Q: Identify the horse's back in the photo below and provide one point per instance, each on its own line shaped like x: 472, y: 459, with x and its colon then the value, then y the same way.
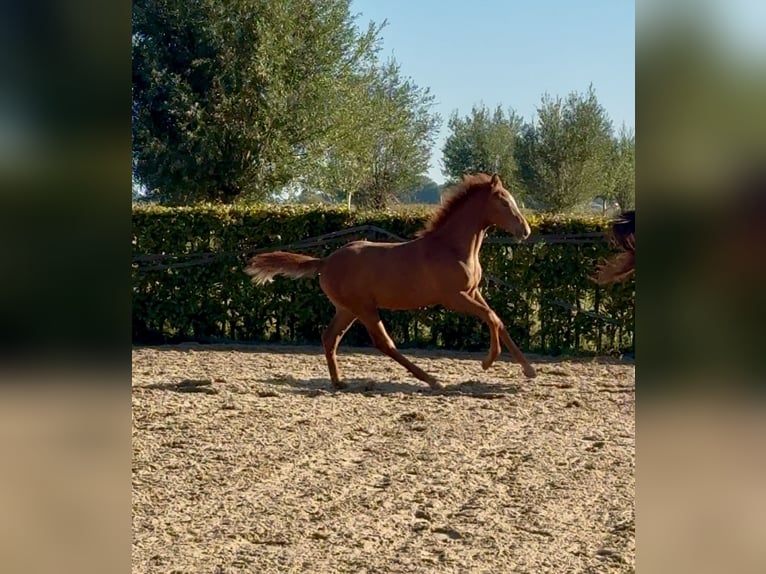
x: 371, y: 274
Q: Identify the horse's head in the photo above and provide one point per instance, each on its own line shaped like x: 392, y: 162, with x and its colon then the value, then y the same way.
x: 503, y: 212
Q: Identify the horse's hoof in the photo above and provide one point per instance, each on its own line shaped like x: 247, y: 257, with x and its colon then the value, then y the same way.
x: 486, y: 364
x: 339, y: 385
x: 435, y: 385
x: 530, y: 372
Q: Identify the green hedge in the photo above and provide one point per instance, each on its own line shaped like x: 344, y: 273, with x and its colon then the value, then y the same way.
x: 216, y: 301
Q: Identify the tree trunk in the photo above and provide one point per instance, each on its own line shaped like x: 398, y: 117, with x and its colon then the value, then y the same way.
x: 379, y: 199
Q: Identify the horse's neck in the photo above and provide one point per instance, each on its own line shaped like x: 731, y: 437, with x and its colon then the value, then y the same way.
x: 464, y: 236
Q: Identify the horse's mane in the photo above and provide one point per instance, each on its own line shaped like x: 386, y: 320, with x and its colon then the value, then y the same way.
x: 459, y: 194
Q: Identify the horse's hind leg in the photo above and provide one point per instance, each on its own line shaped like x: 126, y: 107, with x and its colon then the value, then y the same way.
x: 382, y: 341
x: 331, y: 337
x: 505, y: 337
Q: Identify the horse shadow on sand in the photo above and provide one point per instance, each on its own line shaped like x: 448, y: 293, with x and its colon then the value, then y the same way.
x: 377, y: 387
x: 276, y: 383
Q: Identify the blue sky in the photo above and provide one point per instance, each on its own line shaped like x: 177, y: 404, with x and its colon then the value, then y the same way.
x: 510, y: 53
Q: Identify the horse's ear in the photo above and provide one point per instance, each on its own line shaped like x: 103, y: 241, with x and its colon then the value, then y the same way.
x: 495, y: 180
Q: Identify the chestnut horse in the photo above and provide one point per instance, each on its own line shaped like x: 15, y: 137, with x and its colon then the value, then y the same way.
x: 440, y: 266
x: 623, y: 265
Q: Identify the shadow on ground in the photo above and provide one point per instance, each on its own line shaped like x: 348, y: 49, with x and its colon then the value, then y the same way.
x: 185, y: 386
x: 372, y: 387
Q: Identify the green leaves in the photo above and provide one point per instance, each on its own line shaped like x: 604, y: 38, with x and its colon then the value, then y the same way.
x: 564, y: 155
x: 235, y: 100
x: 383, y: 128
x: 484, y: 141
x: 622, y: 181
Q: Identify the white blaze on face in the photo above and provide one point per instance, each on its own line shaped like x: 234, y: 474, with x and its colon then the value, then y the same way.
x: 511, y: 202
x: 515, y: 210
x: 514, y: 205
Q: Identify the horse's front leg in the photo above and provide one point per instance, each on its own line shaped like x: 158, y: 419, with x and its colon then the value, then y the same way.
x: 516, y: 353
x: 464, y: 302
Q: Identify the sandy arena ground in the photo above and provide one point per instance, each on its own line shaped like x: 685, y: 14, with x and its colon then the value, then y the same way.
x: 244, y: 460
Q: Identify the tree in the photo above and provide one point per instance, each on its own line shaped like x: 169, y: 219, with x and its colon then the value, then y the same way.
x: 228, y: 97
x: 383, y: 129
x: 563, y: 156
x: 483, y: 141
x: 401, y: 146
x: 622, y: 187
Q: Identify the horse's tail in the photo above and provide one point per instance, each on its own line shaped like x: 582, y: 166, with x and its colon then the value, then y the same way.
x: 262, y: 268
x: 622, y: 265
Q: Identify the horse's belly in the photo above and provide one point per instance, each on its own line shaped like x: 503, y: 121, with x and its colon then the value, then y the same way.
x: 403, y: 292
x: 403, y: 304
